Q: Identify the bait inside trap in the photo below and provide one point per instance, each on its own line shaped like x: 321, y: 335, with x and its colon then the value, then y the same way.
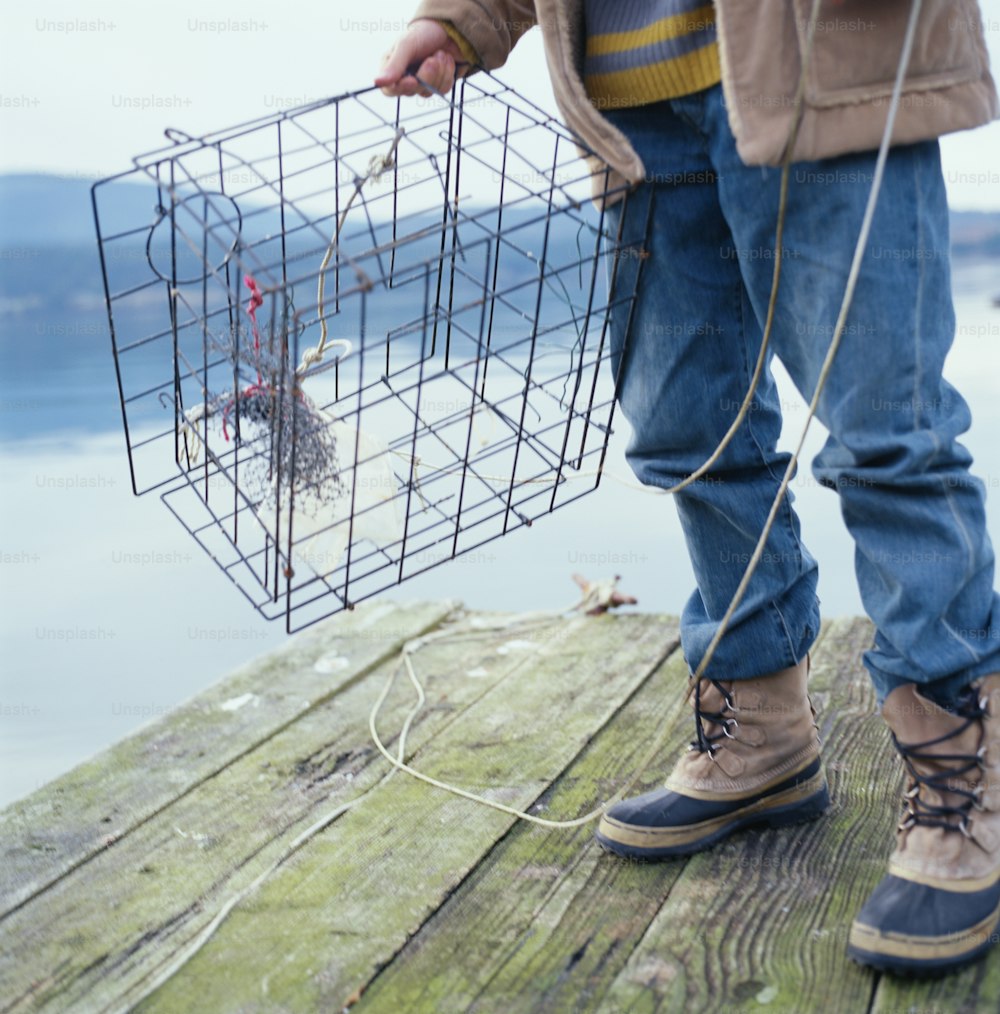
x: 358, y: 338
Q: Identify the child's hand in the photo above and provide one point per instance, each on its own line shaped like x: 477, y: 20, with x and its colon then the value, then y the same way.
x: 426, y: 46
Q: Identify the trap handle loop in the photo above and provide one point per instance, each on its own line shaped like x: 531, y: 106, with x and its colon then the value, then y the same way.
x: 176, y: 136
x: 464, y: 65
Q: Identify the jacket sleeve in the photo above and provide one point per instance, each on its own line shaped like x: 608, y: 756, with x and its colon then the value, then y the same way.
x: 490, y: 27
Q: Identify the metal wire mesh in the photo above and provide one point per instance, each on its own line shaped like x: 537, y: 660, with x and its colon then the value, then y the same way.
x: 358, y: 338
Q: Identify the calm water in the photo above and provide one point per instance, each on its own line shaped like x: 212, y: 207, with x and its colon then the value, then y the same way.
x: 111, y: 614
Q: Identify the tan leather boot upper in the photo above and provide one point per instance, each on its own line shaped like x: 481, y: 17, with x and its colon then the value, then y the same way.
x: 752, y: 734
x: 951, y: 828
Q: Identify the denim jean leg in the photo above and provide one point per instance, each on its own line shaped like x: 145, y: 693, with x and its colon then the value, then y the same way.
x: 924, y: 561
x: 685, y: 369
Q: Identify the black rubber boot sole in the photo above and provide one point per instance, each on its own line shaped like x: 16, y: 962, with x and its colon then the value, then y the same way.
x: 915, y: 930
x: 795, y: 805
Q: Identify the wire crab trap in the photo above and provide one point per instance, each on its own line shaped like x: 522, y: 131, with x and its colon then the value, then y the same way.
x: 351, y: 346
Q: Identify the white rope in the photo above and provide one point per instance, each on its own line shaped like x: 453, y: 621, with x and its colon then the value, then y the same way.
x: 397, y: 762
x: 853, y: 274
x: 189, y: 431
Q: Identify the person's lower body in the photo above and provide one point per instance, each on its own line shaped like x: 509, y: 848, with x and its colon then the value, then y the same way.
x: 924, y: 562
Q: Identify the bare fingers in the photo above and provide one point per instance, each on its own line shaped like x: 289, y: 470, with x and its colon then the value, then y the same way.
x: 436, y: 73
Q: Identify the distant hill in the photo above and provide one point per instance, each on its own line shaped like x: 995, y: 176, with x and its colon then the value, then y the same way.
x: 45, y: 211
x: 975, y: 234
x: 56, y: 210
x: 55, y: 361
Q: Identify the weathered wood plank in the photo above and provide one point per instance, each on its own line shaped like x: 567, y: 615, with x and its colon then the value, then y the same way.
x: 762, y: 920
x: 433, y: 903
x: 546, y: 919
x: 579, y: 962
x: 342, y: 907
x: 975, y: 990
x: 77, y: 815
x: 166, y: 880
x: 161, y: 881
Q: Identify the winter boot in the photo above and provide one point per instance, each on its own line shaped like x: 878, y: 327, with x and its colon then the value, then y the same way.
x: 938, y: 906
x: 755, y: 761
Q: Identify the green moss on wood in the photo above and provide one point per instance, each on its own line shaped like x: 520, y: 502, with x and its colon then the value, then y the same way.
x: 417, y: 901
x: 334, y: 915
x: 73, y: 818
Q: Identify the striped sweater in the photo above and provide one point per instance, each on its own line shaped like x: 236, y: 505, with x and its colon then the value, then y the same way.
x: 642, y: 51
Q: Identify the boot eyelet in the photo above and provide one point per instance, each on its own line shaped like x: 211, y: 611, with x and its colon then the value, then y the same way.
x: 727, y: 724
x: 964, y: 827
x: 977, y: 797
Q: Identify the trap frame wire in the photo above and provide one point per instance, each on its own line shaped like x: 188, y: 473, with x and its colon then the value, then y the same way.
x: 351, y: 346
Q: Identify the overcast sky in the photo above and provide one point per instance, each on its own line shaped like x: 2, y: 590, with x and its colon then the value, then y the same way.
x: 84, y: 87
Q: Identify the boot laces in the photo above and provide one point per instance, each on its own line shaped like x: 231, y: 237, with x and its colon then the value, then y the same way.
x: 951, y: 817
x: 707, y: 742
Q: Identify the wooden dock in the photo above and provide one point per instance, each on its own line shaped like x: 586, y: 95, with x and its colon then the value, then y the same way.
x: 416, y: 900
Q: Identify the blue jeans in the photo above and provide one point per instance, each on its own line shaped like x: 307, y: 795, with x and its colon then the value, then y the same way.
x: 923, y: 559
